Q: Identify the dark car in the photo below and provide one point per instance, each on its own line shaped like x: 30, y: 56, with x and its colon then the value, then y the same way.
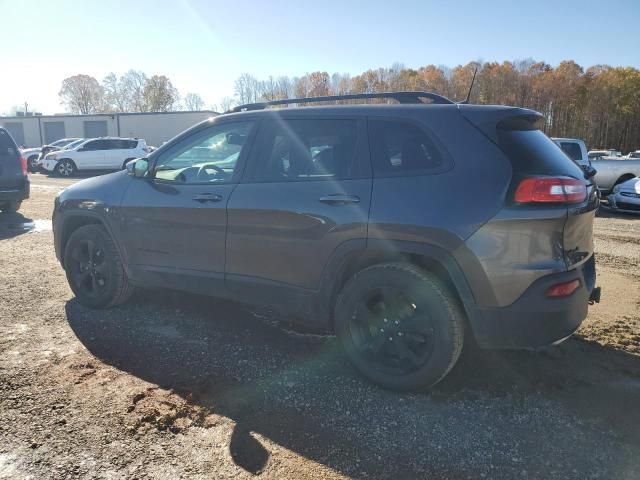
x: 14, y: 182
x: 401, y: 228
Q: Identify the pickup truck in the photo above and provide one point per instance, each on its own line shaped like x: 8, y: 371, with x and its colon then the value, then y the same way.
x: 611, y: 171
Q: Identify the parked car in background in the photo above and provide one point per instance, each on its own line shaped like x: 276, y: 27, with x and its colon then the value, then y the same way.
x: 353, y: 220
x: 33, y: 155
x: 612, y: 171
x: 69, y: 146
x: 598, y: 154
x: 104, y: 153
x: 625, y: 196
x: 635, y: 154
x: 14, y: 180
x: 575, y: 149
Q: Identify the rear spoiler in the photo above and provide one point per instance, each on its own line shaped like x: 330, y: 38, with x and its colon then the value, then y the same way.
x: 489, y: 118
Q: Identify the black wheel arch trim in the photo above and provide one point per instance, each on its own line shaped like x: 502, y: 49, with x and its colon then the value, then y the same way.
x: 97, y: 216
x: 375, y: 251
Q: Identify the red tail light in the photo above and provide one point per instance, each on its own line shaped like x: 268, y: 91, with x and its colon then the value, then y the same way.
x: 550, y: 190
x: 23, y: 165
x: 563, y: 289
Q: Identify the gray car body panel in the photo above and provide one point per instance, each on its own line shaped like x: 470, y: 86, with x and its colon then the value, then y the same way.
x: 275, y: 244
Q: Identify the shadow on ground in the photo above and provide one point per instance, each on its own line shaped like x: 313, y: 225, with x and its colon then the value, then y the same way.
x: 14, y: 224
x: 572, y: 410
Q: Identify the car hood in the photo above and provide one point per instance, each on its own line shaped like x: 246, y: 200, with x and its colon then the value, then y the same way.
x: 632, y: 185
x: 26, y: 151
x: 104, y: 190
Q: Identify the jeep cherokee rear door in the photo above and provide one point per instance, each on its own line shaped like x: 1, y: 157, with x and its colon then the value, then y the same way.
x: 307, y: 190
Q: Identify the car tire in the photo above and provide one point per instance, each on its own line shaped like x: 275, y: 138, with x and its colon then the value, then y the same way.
x: 400, y: 326
x: 32, y: 163
x: 65, y: 168
x: 94, y: 268
x: 11, y: 207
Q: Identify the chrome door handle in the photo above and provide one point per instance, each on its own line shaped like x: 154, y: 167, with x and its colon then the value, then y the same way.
x: 339, y: 199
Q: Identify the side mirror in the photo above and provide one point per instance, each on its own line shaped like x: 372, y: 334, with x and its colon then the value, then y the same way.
x: 138, y: 167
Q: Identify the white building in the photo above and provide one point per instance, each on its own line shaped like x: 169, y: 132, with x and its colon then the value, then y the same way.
x: 155, y: 127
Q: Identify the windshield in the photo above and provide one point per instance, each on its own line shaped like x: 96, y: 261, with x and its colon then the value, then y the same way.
x: 73, y: 144
x: 62, y: 142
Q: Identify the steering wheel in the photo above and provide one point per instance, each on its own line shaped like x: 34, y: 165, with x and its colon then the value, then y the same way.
x: 203, y: 168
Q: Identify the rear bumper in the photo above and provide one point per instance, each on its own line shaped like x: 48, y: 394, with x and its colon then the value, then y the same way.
x: 15, y: 194
x: 534, y: 320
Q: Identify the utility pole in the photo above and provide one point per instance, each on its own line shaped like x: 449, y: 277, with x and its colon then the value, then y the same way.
x: 25, y: 108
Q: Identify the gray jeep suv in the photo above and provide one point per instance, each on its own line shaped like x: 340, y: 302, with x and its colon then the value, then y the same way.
x: 401, y: 228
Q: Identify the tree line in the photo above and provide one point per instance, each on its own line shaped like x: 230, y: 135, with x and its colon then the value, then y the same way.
x: 600, y: 104
x: 133, y: 91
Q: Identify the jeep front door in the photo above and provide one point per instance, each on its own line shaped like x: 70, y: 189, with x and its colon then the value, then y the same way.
x: 174, y: 222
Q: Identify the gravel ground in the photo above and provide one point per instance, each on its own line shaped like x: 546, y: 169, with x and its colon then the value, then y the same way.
x: 178, y: 386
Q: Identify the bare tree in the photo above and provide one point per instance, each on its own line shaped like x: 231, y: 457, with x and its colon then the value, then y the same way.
x: 159, y: 94
x: 115, y: 95
x: 82, y: 94
x: 247, y: 89
x: 193, y: 102
x: 132, y: 84
x: 225, y: 105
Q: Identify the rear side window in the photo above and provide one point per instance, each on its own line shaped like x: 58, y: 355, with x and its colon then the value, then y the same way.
x: 573, y: 150
x: 400, y: 149
x: 122, y: 144
x: 7, y: 145
x: 532, y: 152
x: 304, y: 150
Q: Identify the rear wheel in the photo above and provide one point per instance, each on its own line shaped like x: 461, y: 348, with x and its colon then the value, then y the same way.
x: 94, y: 268
x: 66, y: 168
x: 32, y: 163
x: 10, y: 207
x: 400, y: 326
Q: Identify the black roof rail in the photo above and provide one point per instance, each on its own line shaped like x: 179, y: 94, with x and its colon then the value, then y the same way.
x: 400, y: 97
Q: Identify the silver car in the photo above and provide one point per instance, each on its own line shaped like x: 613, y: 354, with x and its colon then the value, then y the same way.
x: 625, y: 197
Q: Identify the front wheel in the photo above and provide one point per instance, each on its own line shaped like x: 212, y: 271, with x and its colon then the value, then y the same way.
x: 32, y: 163
x: 94, y: 268
x: 65, y: 168
x: 400, y: 326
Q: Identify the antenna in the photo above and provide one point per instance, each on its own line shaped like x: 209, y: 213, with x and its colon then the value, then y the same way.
x: 473, y: 80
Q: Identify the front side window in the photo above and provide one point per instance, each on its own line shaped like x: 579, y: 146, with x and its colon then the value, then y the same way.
x: 209, y: 156
x: 304, y: 150
x: 400, y: 149
x: 93, y: 145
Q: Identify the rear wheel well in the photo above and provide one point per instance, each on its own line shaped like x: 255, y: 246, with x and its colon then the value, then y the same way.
x: 624, y: 178
x: 361, y: 260
x: 71, y: 225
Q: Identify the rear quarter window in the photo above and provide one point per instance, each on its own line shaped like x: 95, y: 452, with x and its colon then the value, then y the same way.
x: 532, y: 152
x: 401, y: 148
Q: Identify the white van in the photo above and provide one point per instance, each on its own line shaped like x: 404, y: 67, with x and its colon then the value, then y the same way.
x: 104, y: 153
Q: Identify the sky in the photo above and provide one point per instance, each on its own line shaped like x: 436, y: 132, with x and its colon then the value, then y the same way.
x: 203, y: 46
